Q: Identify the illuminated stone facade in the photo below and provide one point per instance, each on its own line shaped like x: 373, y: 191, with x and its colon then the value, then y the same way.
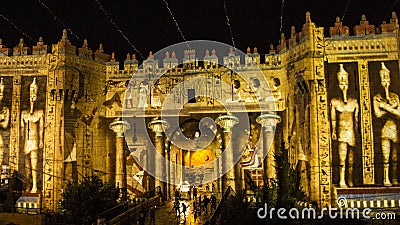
x: 80, y: 95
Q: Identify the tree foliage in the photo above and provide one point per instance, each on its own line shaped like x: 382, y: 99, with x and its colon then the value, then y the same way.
x: 286, y: 191
x: 84, y: 201
x: 288, y: 181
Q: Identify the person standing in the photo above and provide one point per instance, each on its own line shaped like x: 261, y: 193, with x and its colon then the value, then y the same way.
x: 184, y: 207
x: 194, y: 193
x: 213, y: 200
x: 152, y: 213
x: 142, y: 217
x: 177, y: 194
x: 205, y: 203
x: 189, y: 194
x: 199, y: 205
x: 176, y: 207
x: 195, y: 210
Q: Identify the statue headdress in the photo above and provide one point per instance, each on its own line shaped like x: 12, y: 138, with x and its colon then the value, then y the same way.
x: 342, y: 74
x: 384, y: 72
x: 2, y: 86
x: 33, y: 87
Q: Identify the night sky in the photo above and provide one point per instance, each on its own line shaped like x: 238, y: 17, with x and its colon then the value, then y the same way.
x: 149, y: 26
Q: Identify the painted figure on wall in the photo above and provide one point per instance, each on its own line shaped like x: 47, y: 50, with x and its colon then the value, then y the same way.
x: 143, y: 92
x: 387, y: 109
x: 276, y: 91
x: 156, y: 95
x: 255, y: 91
x: 128, y: 95
x: 344, y: 117
x: 4, y: 120
x: 32, y: 122
x: 237, y: 91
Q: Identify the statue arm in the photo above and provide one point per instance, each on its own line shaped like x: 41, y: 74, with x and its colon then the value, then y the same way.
x: 394, y: 111
x: 160, y: 89
x: 41, y: 127
x: 356, y: 111
x: 333, y: 119
x: 6, y: 119
x: 22, y: 125
x: 376, y: 104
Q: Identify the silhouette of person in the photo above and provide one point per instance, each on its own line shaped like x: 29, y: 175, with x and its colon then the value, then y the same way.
x: 152, y: 215
x: 142, y: 217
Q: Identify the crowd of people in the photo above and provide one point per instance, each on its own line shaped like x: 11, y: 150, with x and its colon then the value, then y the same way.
x: 152, y: 216
x: 200, y: 203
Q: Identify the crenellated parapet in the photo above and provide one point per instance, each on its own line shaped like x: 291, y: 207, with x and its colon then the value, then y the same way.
x: 367, y: 43
x: 296, y: 46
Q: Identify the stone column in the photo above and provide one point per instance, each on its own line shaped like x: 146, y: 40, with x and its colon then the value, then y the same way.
x: 268, y: 123
x: 158, y: 126
x: 119, y: 128
x: 168, y: 169
x: 227, y: 122
x: 110, y: 158
x: 217, y: 168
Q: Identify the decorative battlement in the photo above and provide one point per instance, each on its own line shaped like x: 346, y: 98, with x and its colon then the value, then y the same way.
x: 295, y: 46
x: 28, y: 61
x: 357, y: 45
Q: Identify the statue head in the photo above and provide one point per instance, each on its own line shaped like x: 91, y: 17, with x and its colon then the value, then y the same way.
x: 276, y: 83
x: 343, y: 79
x: 1, y: 89
x: 256, y: 83
x: 33, y: 89
x: 236, y: 84
x: 384, y: 73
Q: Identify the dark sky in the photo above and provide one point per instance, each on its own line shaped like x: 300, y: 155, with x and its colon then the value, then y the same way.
x: 148, y: 25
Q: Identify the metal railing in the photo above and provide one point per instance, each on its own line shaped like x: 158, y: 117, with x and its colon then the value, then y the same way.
x: 122, y: 207
x: 23, y: 210
x: 131, y: 215
x: 216, y: 213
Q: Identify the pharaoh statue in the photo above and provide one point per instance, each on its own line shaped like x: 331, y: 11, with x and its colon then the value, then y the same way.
x: 344, y: 117
x: 4, y: 120
x: 386, y: 108
x: 32, y: 121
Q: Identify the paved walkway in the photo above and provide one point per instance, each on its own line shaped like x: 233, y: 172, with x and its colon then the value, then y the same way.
x: 165, y: 214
